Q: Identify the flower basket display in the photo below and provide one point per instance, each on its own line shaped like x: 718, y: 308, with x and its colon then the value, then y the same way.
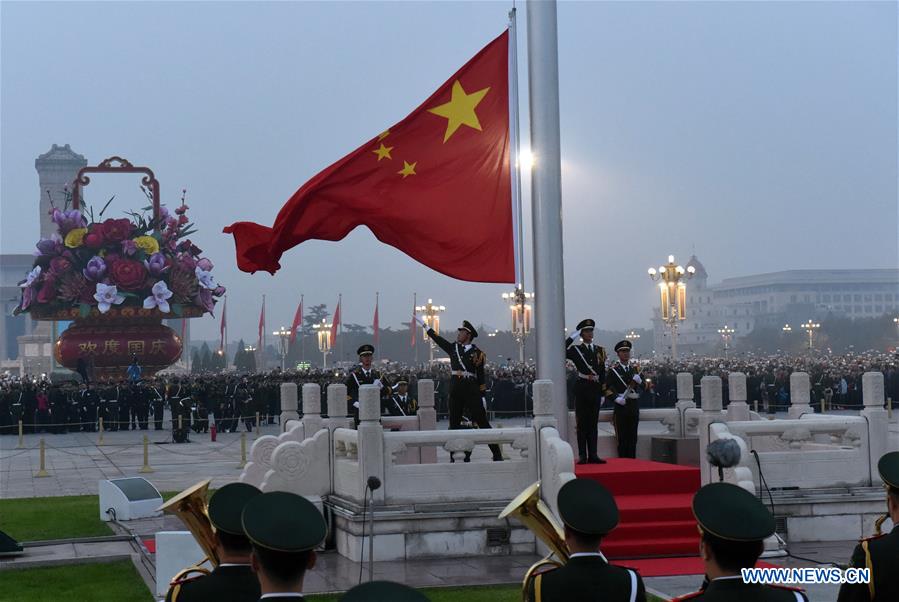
x: 118, y: 278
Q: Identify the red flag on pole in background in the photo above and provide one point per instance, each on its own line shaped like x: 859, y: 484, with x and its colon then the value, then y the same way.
x: 297, y: 321
x: 437, y: 185
x: 336, y: 324
x: 412, y: 323
x: 223, y: 325
x: 261, y: 325
x: 375, y: 326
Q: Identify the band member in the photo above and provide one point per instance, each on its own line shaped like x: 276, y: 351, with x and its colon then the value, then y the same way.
x: 364, y: 374
x: 233, y: 579
x: 733, y: 525
x: 284, y: 530
x: 467, y: 384
x: 589, y: 513
x: 401, y: 403
x: 624, y: 384
x: 880, y: 553
x: 590, y: 362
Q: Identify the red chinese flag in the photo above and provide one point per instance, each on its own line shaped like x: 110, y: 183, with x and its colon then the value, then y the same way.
x: 436, y: 185
x: 297, y: 322
x: 335, y: 325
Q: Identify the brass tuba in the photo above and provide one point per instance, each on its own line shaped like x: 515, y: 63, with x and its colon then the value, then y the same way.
x: 878, y: 524
x: 530, y: 510
x: 192, y: 508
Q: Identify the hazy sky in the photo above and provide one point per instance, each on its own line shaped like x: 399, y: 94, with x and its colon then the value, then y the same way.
x: 762, y: 134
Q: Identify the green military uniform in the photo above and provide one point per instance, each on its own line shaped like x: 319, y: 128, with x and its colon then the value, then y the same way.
x: 283, y: 524
x: 879, y: 553
x: 227, y: 582
x: 360, y: 376
x: 587, y: 507
x: 731, y: 514
x: 383, y: 591
x: 624, y: 383
x: 589, y: 360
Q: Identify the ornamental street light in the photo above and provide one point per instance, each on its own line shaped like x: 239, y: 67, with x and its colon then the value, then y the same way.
x: 432, y: 320
x: 787, y: 328
x: 632, y: 336
x: 673, y: 295
x: 521, y: 316
x: 726, y: 333
x: 810, y: 327
x: 283, y: 335
x: 323, y: 331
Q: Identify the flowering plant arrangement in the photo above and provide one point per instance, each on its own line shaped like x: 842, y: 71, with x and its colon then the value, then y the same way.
x: 140, y: 260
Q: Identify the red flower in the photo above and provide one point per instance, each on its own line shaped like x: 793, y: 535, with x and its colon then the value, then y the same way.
x: 94, y: 238
x: 48, y: 291
x: 116, y: 230
x: 58, y: 265
x: 128, y: 274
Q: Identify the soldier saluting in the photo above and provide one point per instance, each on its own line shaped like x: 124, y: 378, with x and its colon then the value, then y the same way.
x: 624, y: 383
x: 590, y: 362
x: 467, y: 385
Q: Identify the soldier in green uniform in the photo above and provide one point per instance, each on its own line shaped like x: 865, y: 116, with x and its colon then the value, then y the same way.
x: 233, y: 579
x: 590, y: 362
x: 383, y: 591
x: 733, y: 524
x: 588, y: 512
x: 363, y: 374
x: 401, y: 403
x: 879, y: 553
x: 624, y: 383
x: 467, y: 384
x: 284, y: 530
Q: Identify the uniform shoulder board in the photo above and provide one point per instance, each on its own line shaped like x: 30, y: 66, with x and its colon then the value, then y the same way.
x: 689, y: 596
x: 797, y: 591
x: 871, y: 537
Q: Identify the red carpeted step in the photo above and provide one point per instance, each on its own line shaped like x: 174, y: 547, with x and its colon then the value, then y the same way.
x: 629, y: 476
x: 628, y: 531
x: 642, y: 548
x: 676, y: 506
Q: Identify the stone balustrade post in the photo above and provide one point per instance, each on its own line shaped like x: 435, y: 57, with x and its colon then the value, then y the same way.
x: 427, y: 417
x: 800, y: 395
x: 371, y: 439
x: 337, y: 408
x: 878, y: 420
x: 684, y: 401
x: 288, y: 404
x: 543, y: 405
x: 711, y: 390
x: 738, y: 408
x: 312, y: 409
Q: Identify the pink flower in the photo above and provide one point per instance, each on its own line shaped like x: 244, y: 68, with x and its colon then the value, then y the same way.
x: 58, y: 265
x: 205, y: 265
x: 48, y: 291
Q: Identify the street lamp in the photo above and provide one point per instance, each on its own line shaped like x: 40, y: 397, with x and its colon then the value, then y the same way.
x: 787, y: 328
x: 432, y: 320
x: 810, y: 328
x: 673, y: 295
x: 521, y: 316
x: 726, y: 333
x: 283, y: 334
x: 323, y: 331
x: 252, y: 350
x: 632, y: 336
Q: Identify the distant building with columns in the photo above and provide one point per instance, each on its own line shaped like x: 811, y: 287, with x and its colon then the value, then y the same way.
x: 772, y: 300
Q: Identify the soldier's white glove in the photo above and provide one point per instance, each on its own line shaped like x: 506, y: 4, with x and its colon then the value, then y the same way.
x: 620, y: 400
x: 484, y: 402
x: 356, y: 404
x: 420, y: 322
x: 637, y: 379
x: 577, y: 335
x: 377, y: 382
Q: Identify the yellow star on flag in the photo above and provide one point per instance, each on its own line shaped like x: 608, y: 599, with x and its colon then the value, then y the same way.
x: 408, y: 169
x: 460, y: 109
x: 383, y: 135
x: 383, y: 152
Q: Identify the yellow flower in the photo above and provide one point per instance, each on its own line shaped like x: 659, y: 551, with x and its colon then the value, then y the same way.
x: 75, y: 237
x: 147, y: 244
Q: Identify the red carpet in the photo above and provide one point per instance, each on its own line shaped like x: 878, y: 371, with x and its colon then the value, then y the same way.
x: 654, y: 501
x: 150, y: 544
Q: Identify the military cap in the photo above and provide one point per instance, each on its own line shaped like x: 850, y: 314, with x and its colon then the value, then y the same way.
x: 587, y: 507
x: 402, y: 381
x: 888, y: 467
x: 283, y: 522
x: 625, y: 344
x: 587, y: 324
x: 366, y: 350
x: 226, y: 505
x: 466, y: 325
x: 383, y: 591
x: 731, y: 513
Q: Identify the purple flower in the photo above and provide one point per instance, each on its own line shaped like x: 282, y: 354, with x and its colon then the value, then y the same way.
x: 50, y: 246
x: 32, y: 277
x: 128, y: 247
x: 156, y: 264
x: 219, y: 291
x: 205, y: 265
x: 68, y: 220
x: 159, y: 297
x: 205, y: 278
x: 95, y: 270
x: 107, y: 296
x: 163, y: 212
x: 204, y: 299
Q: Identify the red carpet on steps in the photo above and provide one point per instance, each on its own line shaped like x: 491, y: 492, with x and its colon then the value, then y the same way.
x: 654, y: 502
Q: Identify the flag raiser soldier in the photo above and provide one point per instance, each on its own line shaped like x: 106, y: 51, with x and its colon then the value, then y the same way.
x: 467, y: 385
x: 624, y: 384
x: 590, y: 362
x: 363, y: 374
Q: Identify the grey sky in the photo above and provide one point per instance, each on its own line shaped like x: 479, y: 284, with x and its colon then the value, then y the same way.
x: 763, y: 134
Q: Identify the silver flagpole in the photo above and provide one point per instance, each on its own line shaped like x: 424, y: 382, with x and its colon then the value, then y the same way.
x: 546, y: 201
x: 515, y: 134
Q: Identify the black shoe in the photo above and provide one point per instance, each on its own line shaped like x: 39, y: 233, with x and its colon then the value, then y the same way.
x: 498, y: 458
x: 582, y: 460
x: 596, y: 460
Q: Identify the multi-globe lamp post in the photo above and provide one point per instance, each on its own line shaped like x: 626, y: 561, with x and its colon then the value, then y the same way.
x: 283, y: 335
x: 323, y: 332
x: 726, y: 334
x: 673, y: 295
x: 432, y: 320
x: 521, y: 316
x: 810, y: 327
